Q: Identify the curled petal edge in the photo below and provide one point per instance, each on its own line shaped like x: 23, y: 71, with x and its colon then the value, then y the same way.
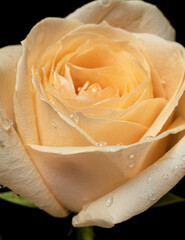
x: 138, y: 194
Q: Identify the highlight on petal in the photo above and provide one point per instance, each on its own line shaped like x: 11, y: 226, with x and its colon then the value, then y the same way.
x: 133, y: 16
x: 9, y: 57
x: 18, y: 172
x: 136, y: 195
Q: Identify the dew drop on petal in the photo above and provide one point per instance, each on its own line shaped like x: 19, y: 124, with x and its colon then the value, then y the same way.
x: 131, y: 156
x: 148, y: 138
x: 6, y: 124
x: 165, y: 176
x: 131, y: 165
x: 105, y: 3
x: 149, y: 179
x: 152, y: 196
x: 175, y: 170
x: 54, y: 124
x: 74, y: 118
x: 101, y: 144
x: 119, y: 144
x: 109, y: 201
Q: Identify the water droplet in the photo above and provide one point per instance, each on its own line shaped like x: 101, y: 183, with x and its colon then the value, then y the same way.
x: 131, y: 156
x: 2, y: 186
x: 6, y: 124
x: 119, y: 144
x: 163, y: 82
x: 183, y: 157
x: 175, y: 170
x: 165, y: 176
x: 148, y: 138
x: 131, y: 165
x: 74, y: 117
x: 149, y: 179
x: 105, y: 3
x: 152, y: 196
x: 101, y: 144
x: 109, y: 201
x: 54, y: 124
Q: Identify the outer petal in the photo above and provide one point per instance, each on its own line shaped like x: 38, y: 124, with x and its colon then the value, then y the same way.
x: 43, y: 35
x: 9, y: 57
x: 138, y: 194
x: 19, y: 173
x: 79, y: 175
x: 134, y: 16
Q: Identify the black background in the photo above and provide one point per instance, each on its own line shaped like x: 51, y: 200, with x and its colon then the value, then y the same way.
x: 16, y: 222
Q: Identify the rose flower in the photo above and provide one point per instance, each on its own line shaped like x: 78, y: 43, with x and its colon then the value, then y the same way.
x: 92, y: 114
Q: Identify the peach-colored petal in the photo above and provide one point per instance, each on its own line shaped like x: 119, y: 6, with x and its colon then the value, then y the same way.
x: 134, y: 16
x: 9, y: 57
x: 79, y: 175
x: 43, y: 35
x: 18, y: 172
x: 169, y: 67
x: 136, y: 195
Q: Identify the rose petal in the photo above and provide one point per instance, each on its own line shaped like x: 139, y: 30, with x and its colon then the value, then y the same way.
x: 136, y: 195
x: 43, y: 35
x: 79, y: 175
x: 9, y: 57
x: 169, y: 67
x: 18, y: 173
x: 134, y: 16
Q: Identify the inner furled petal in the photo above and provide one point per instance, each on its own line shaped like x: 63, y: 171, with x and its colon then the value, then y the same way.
x: 99, y: 55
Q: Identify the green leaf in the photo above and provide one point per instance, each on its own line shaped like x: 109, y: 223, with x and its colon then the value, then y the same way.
x: 169, y: 198
x: 85, y: 233
x: 11, y: 197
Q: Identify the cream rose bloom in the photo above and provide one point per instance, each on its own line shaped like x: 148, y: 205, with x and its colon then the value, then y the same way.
x: 92, y: 114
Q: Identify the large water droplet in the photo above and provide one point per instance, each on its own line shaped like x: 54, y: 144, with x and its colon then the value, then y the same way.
x: 131, y: 165
x: 148, y: 138
x: 74, y: 117
x: 101, y: 144
x: 152, y: 196
x: 131, y: 156
x: 6, y: 124
x: 109, y: 201
x: 105, y: 3
x: 54, y: 124
x: 165, y: 175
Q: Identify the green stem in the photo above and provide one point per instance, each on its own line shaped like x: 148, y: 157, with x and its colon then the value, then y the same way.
x: 85, y: 233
